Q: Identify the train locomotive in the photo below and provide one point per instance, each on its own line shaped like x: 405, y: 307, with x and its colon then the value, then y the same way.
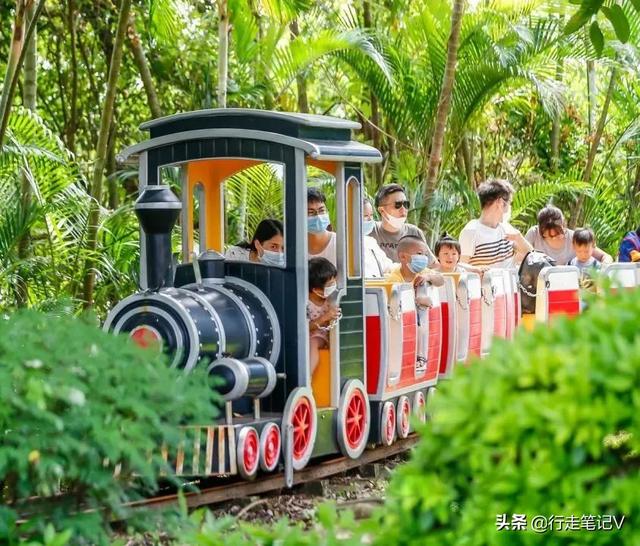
x: 247, y: 323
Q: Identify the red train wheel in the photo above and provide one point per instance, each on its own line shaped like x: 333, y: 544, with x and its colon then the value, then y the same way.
x: 270, y: 442
x: 387, y: 424
x: 353, y: 419
x: 248, y: 452
x: 403, y: 413
x: 300, y: 413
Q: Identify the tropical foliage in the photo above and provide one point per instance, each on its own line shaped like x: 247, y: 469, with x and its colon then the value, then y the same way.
x: 531, y: 84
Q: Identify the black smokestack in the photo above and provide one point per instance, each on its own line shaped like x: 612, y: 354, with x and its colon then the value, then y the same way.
x: 157, y: 209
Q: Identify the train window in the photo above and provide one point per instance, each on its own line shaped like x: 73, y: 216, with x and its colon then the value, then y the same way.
x: 254, y: 206
x: 353, y: 212
x: 198, y: 218
x: 172, y: 176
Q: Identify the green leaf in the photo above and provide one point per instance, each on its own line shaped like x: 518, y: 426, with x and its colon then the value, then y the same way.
x: 576, y: 22
x: 619, y: 21
x: 636, y: 4
x: 597, y: 39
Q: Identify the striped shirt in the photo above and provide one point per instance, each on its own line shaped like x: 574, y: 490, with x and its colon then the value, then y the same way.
x: 487, y: 246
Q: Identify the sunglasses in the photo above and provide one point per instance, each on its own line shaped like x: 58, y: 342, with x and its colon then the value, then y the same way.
x: 400, y: 204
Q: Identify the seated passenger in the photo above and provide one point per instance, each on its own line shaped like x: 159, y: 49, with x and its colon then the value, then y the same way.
x: 413, y: 256
x: 584, y: 244
x: 320, y: 311
x: 322, y: 243
x: 266, y: 246
x: 630, y: 247
x: 448, y: 254
x: 376, y: 262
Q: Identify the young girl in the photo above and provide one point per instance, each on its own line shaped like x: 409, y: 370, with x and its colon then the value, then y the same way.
x: 447, y: 251
x: 320, y: 312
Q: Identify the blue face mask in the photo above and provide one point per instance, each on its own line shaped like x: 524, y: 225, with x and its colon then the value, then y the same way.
x: 275, y: 259
x: 418, y: 263
x: 367, y: 226
x: 317, y: 224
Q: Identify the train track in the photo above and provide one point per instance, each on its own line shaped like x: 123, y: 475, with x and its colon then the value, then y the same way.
x: 238, y: 489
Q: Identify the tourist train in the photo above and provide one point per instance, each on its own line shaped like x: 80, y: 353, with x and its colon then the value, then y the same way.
x: 246, y: 322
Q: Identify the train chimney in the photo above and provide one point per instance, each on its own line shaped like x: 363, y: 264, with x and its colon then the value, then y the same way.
x: 157, y: 210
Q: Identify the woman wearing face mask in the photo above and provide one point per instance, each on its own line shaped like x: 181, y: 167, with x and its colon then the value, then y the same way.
x: 376, y: 262
x: 266, y: 246
x: 322, y: 243
x: 320, y: 311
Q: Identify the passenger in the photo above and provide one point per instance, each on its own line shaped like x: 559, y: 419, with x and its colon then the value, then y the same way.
x: 490, y: 241
x: 448, y: 253
x: 584, y: 243
x: 630, y: 247
x: 393, y: 206
x: 412, y: 253
x: 552, y: 237
x: 376, y: 262
x: 266, y: 246
x: 320, y: 312
x: 322, y: 243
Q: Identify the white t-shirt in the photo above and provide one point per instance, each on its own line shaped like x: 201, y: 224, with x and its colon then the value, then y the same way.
x: 487, y: 246
x: 376, y: 262
x: 329, y: 251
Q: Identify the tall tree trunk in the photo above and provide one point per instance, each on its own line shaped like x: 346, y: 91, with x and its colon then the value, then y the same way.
x: 592, y: 92
x: 143, y: 68
x: 593, y: 149
x: 301, y: 81
x: 483, y: 164
x: 17, y: 53
x: 101, y: 153
x: 435, y: 158
x: 223, y: 52
x: 30, y: 92
x: 467, y: 146
x: 555, y: 125
x: 72, y: 125
x: 373, y: 100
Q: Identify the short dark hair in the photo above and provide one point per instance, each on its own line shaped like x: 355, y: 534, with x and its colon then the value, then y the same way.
x: 266, y: 229
x: 493, y: 189
x: 409, y: 240
x: 320, y: 271
x: 584, y: 236
x: 446, y: 241
x: 550, y: 217
x: 384, y: 191
x: 314, y: 195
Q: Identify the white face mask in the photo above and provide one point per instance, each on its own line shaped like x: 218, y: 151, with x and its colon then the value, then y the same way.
x: 395, y: 222
x: 506, y: 216
x: 329, y: 290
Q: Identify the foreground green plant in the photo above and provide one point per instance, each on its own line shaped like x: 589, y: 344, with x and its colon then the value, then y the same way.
x: 82, y: 419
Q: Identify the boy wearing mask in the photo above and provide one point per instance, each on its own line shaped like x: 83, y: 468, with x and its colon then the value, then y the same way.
x: 414, y: 261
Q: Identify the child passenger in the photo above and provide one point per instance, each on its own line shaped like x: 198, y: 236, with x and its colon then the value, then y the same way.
x: 584, y: 243
x: 320, y: 311
x: 447, y: 251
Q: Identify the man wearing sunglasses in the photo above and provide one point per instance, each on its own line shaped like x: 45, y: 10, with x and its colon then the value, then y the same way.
x: 491, y: 241
x: 393, y: 206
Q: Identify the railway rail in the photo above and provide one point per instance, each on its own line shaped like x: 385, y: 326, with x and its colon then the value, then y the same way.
x: 217, y: 494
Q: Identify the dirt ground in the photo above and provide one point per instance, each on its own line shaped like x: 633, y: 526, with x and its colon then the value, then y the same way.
x: 361, y: 490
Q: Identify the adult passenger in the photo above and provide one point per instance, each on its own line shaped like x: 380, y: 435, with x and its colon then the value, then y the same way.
x: 490, y: 242
x: 266, y: 246
x: 630, y: 247
x: 376, y: 262
x: 552, y: 237
x: 321, y: 242
x: 393, y: 206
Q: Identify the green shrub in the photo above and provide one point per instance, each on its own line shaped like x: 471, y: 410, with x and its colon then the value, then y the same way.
x: 75, y: 403
x: 546, y: 425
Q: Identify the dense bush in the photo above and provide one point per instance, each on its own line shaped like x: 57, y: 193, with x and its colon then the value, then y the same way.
x: 76, y: 407
x: 547, y: 425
